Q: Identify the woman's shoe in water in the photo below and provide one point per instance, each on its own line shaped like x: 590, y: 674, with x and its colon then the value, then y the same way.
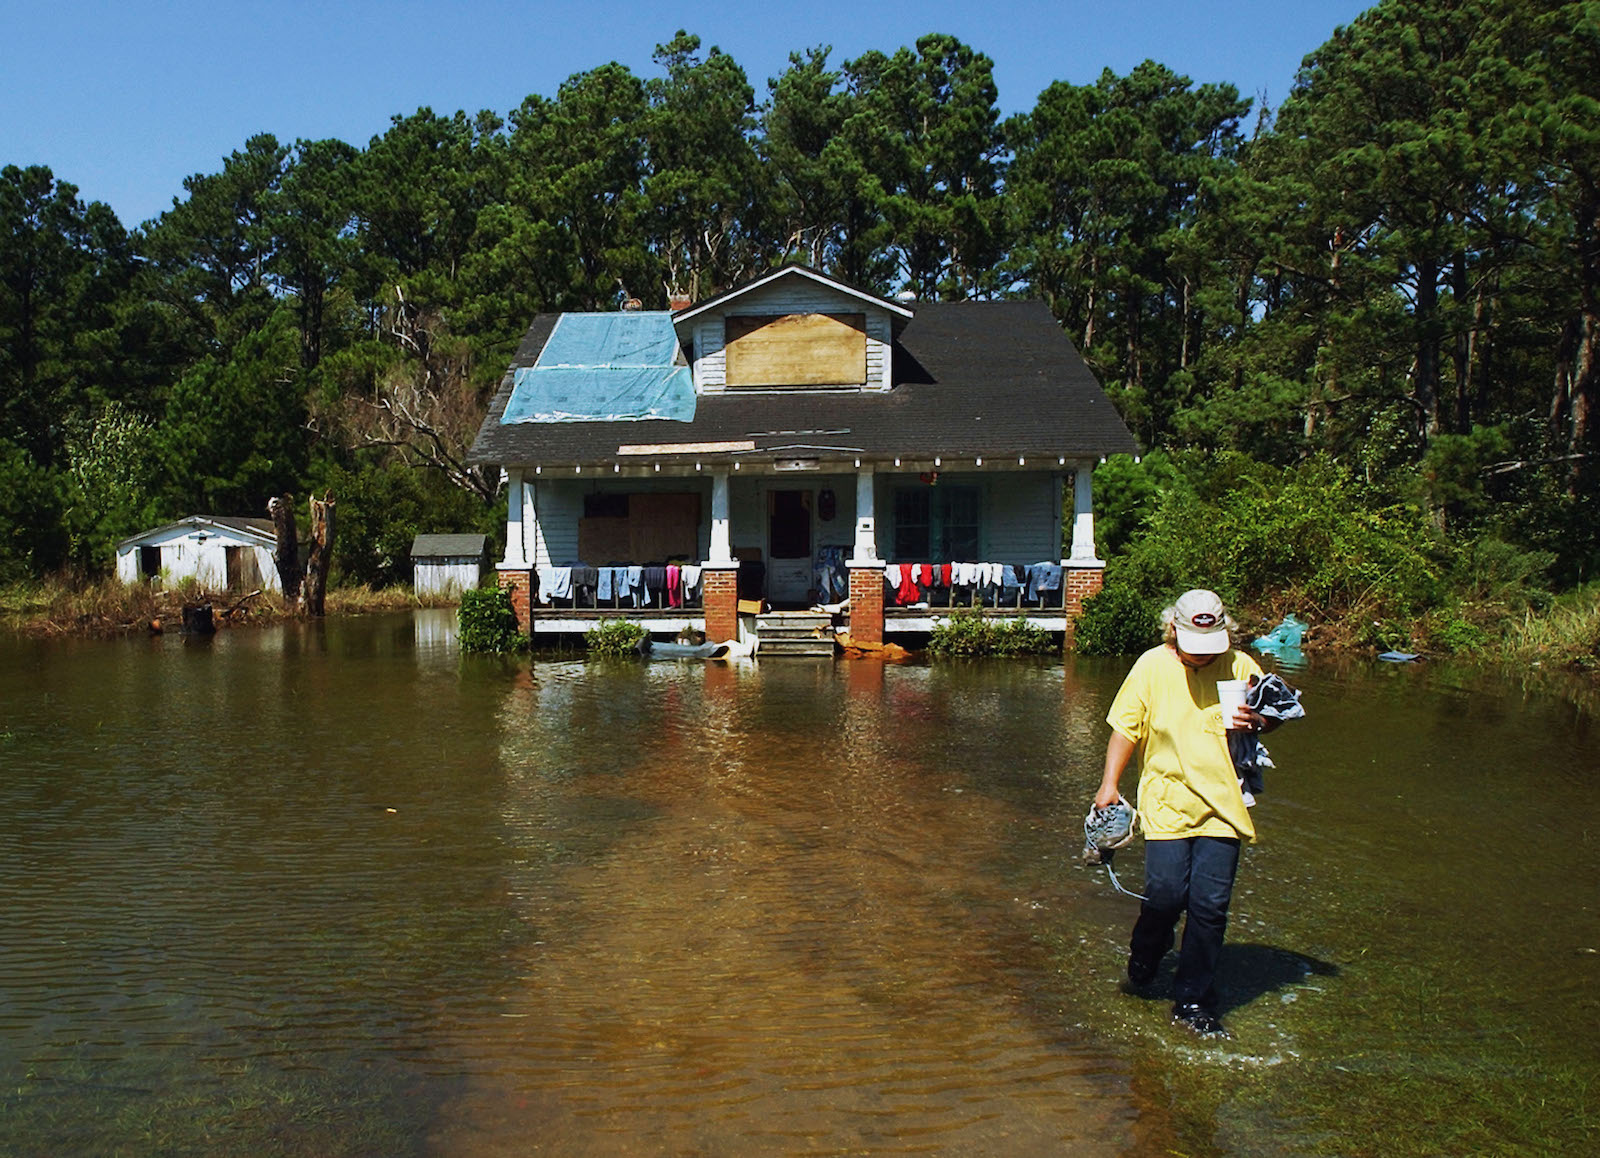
x: 1199, y: 1021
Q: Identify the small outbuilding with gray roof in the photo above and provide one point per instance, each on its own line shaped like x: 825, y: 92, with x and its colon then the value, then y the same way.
x: 447, y: 565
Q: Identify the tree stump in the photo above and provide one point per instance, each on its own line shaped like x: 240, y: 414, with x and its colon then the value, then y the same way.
x: 198, y: 620
x: 320, y: 558
x: 287, y: 554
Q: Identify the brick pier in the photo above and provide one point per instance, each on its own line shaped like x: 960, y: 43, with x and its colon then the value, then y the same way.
x: 520, y: 585
x: 866, y: 604
x: 720, y: 601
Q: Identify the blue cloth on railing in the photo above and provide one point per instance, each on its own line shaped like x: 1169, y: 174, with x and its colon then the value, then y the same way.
x: 1043, y: 577
x: 554, y: 583
x: 654, y: 580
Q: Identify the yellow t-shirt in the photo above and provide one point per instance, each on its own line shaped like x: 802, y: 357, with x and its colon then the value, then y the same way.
x: 1187, y: 785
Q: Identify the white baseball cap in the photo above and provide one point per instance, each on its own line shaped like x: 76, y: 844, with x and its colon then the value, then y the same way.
x: 1202, y: 623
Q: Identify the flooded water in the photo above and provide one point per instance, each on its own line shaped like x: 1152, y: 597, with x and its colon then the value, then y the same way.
x: 335, y: 889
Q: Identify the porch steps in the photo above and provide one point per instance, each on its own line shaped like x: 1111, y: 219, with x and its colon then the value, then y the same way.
x: 795, y: 633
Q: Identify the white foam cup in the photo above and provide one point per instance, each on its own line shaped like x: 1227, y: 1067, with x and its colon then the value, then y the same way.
x: 1231, y: 694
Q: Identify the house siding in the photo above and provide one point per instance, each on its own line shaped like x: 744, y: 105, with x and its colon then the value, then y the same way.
x: 1020, y: 515
x: 558, y: 506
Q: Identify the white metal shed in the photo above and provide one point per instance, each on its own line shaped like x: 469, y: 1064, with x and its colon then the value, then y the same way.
x: 217, y: 551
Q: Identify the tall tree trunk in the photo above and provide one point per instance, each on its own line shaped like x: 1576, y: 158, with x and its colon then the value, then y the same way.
x: 287, y: 556
x: 1426, y: 317
x: 1183, y: 350
x: 1094, y: 294
x: 1461, y: 416
x: 320, y: 557
x: 1577, y: 385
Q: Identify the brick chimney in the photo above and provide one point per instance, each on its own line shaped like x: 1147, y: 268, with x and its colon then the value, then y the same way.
x: 677, y: 302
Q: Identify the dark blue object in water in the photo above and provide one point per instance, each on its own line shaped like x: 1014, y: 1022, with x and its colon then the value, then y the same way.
x: 650, y: 649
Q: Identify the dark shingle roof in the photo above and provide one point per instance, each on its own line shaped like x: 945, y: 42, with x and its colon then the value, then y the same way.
x: 979, y: 378
x: 433, y: 546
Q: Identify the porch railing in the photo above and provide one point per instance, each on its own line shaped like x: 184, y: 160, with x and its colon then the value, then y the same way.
x: 937, y: 590
x: 641, y: 592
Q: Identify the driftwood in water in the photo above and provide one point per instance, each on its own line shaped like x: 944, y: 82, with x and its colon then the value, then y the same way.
x: 287, y: 555
x: 320, y: 558
x: 229, y: 613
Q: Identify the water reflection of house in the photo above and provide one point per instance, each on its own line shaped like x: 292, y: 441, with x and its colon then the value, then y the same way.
x: 797, y: 441
x: 217, y: 551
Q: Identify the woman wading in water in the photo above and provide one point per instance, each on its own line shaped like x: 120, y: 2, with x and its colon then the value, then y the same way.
x: 1190, y: 805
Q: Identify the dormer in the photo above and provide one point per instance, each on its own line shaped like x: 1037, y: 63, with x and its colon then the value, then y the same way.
x: 794, y: 329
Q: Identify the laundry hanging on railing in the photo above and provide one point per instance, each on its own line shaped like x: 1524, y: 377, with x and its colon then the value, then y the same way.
x: 997, y: 583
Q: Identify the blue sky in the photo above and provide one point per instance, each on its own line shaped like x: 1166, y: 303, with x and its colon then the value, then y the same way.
x: 126, y: 99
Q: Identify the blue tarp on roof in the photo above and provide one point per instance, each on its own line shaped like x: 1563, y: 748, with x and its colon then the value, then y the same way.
x: 605, y: 368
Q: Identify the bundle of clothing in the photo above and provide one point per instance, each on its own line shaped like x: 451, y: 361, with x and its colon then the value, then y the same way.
x: 829, y: 575
x: 1276, y: 700
x: 658, y: 585
x: 913, y: 583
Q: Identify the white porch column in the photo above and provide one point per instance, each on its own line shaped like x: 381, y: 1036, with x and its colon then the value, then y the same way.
x: 1083, y: 518
x: 516, y: 558
x: 866, y: 548
x: 721, y: 535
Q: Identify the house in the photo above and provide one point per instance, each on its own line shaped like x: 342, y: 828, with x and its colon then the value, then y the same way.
x: 447, y: 565
x: 799, y: 441
x: 216, y: 551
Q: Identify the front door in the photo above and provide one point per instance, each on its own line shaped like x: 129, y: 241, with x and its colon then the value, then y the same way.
x: 789, y: 547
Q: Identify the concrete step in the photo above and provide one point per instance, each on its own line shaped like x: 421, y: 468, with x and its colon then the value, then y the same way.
x: 795, y: 633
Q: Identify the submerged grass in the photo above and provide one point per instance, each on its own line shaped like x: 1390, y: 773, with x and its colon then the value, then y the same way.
x: 231, y: 1107
x: 1567, y: 635
x: 108, y: 607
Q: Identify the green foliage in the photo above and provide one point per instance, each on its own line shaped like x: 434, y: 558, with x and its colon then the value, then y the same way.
x: 383, y: 505
x: 112, y: 475
x: 1126, y: 492
x: 32, y: 516
x: 233, y: 433
x: 1245, y: 529
x: 488, y: 623
x: 968, y: 634
x: 1305, y: 538
x: 615, y: 637
x: 1119, y: 619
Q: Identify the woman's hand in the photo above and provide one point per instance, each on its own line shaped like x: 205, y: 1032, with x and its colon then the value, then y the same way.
x: 1250, y: 720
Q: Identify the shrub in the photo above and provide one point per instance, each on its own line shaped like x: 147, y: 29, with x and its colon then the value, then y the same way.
x: 968, y: 634
x: 618, y: 637
x: 1118, y: 620
x: 1308, y: 536
x: 488, y: 622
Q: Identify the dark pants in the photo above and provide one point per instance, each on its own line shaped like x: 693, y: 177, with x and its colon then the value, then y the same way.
x: 1194, y: 876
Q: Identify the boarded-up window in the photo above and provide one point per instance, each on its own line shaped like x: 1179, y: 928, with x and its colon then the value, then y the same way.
x: 797, y: 350
x: 657, y: 527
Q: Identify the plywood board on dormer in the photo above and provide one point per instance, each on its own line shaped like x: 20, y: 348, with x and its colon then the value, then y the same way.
x: 811, y: 349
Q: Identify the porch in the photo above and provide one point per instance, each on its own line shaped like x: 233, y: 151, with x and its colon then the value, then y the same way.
x: 681, y: 546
